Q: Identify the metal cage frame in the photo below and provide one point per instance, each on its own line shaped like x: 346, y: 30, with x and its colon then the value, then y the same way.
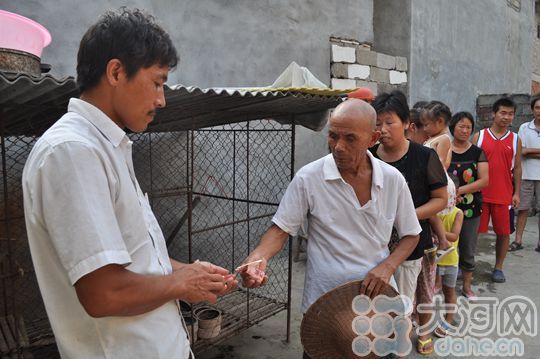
x: 215, y: 220
x: 214, y: 164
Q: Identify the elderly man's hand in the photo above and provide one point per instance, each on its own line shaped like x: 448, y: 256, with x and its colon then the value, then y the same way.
x: 376, y: 279
x: 253, y: 275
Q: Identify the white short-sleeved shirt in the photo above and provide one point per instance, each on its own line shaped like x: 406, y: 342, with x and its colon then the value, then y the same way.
x: 345, y: 240
x: 530, y: 138
x: 84, y: 209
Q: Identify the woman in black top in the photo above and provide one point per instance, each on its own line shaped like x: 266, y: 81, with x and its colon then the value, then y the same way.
x: 427, y: 182
x: 469, y: 164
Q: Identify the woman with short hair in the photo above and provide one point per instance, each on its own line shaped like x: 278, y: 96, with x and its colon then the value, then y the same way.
x: 427, y: 182
x: 469, y: 164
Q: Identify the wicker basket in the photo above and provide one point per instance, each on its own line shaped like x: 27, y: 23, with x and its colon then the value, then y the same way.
x: 326, y: 329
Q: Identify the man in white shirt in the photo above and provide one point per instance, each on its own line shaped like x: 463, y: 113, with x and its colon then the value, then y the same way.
x: 529, y: 133
x: 350, y: 201
x: 108, y: 284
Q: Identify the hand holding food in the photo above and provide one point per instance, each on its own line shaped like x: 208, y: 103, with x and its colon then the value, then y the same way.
x: 253, y: 273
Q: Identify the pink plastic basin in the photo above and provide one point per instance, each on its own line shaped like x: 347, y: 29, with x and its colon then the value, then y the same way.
x: 20, y: 33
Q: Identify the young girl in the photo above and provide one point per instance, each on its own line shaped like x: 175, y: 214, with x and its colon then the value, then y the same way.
x: 435, y: 117
x: 417, y: 133
x: 447, y: 268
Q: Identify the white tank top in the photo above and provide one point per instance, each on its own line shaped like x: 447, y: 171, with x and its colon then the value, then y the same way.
x: 451, y: 188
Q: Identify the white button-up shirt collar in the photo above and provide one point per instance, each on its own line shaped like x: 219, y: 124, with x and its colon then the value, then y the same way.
x: 331, y: 172
x: 532, y: 126
x: 99, y: 119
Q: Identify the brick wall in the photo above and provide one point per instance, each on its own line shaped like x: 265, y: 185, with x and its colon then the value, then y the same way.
x: 354, y: 64
x: 535, y: 87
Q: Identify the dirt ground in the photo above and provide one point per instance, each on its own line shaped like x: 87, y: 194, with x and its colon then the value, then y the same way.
x: 522, y: 270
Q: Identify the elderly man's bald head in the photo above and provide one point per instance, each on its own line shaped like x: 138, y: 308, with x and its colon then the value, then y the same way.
x: 351, y: 132
x: 355, y: 110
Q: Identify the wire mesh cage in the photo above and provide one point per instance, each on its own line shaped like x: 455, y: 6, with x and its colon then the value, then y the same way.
x: 213, y: 192
x: 23, y: 320
x: 213, y: 170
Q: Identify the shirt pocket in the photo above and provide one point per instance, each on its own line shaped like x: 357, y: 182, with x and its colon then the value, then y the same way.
x: 387, y: 212
x: 325, y: 215
x: 384, y: 228
x: 156, y: 235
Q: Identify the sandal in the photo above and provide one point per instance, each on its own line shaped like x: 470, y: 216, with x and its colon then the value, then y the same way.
x: 424, y: 347
x: 497, y: 276
x: 442, y: 331
x: 471, y: 297
x: 515, y: 246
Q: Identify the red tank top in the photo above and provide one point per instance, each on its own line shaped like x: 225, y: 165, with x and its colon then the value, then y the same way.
x: 500, y: 153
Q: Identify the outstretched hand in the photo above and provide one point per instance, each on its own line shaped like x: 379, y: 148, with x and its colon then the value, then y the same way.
x: 253, y: 275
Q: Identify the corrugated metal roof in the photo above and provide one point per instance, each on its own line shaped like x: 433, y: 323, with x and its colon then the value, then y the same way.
x: 325, y: 91
x: 30, y: 105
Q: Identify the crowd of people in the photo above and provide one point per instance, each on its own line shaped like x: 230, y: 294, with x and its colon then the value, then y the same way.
x: 399, y: 201
x: 458, y: 181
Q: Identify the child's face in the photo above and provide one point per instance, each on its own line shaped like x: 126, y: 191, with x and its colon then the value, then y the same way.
x: 432, y: 127
x: 417, y: 134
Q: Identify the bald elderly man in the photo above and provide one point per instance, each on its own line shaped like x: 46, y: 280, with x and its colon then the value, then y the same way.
x: 350, y: 201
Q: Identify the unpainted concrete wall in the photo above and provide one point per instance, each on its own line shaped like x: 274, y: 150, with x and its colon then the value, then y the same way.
x: 221, y: 42
x: 392, y: 27
x: 536, y: 58
x: 457, y: 49
x: 461, y: 49
x: 535, y: 86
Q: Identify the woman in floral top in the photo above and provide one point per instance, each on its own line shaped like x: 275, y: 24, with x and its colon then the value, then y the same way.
x: 469, y: 164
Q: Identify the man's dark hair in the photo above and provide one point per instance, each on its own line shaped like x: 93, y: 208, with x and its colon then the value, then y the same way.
x: 503, y: 102
x: 394, y: 101
x: 458, y: 117
x: 534, y: 98
x: 131, y: 36
x: 436, y: 109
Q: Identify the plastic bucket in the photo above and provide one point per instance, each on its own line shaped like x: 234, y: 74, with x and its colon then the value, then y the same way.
x: 20, y: 33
